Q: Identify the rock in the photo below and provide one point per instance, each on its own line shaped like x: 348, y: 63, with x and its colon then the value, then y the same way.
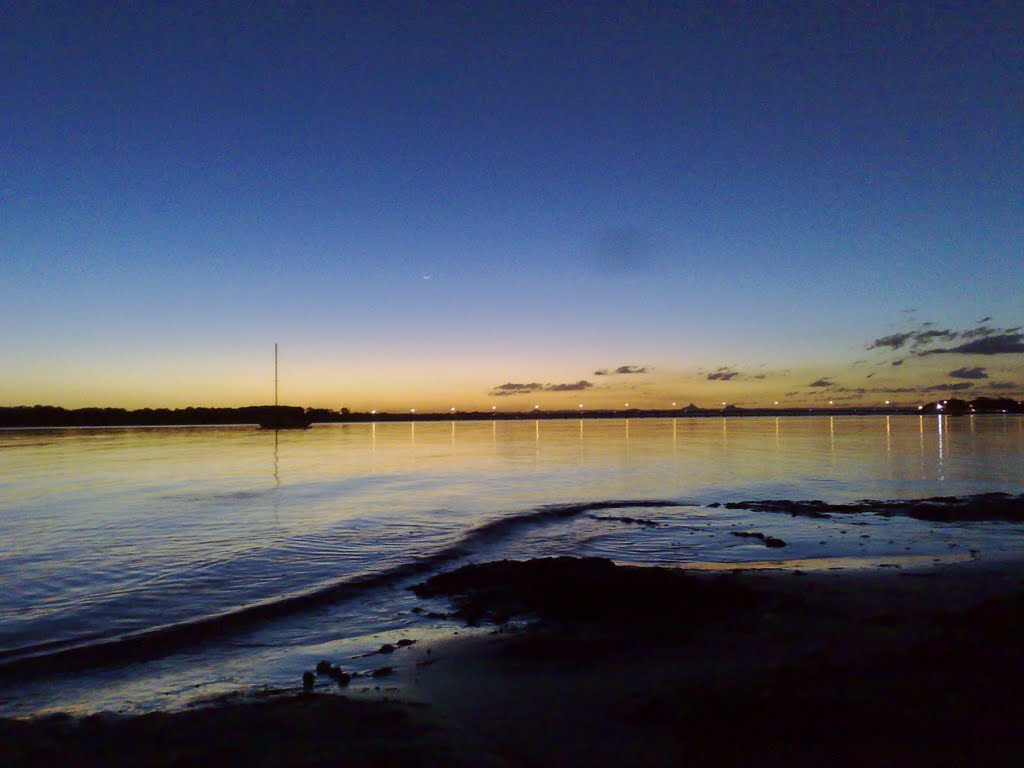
x: 773, y: 543
x: 308, y: 678
x: 382, y: 672
x: 405, y: 642
x: 386, y: 648
x: 714, y: 505
x: 323, y: 667
x: 340, y: 677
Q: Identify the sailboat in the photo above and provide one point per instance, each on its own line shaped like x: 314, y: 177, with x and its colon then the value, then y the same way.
x: 282, y: 416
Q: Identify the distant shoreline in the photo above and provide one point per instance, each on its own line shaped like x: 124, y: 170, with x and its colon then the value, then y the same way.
x: 54, y: 416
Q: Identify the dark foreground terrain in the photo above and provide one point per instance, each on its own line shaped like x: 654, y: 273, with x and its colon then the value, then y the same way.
x: 597, y: 664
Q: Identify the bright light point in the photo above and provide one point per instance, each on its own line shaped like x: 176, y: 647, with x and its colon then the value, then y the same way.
x: 920, y: 407
x: 412, y: 410
x: 627, y: 405
x: 536, y: 407
x: 886, y: 402
x: 830, y: 402
x: 373, y: 412
x: 673, y: 405
x: 723, y: 403
x: 776, y: 402
x: 452, y: 410
x: 938, y: 406
x: 581, y: 405
x: 494, y: 407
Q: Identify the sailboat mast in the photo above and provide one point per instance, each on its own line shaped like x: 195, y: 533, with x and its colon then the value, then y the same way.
x: 275, y: 373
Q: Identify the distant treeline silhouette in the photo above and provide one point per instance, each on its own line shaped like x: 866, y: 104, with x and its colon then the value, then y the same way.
x: 55, y: 416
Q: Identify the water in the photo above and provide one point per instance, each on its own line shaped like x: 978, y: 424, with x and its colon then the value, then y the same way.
x: 285, y: 545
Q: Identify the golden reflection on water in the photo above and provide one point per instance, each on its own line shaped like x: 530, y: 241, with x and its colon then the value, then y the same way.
x: 940, y: 445
x: 888, y: 437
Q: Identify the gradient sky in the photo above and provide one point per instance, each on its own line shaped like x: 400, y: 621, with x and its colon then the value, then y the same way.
x: 435, y: 205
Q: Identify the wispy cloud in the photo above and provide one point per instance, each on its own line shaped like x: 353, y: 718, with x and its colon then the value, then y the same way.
x: 959, y: 387
x: 623, y: 369
x: 969, y: 373
x: 514, y: 388
x: 1000, y: 344
x: 822, y: 382
x: 725, y: 373
x: 981, y: 340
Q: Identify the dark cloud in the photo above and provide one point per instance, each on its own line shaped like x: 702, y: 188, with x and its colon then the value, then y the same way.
x: 917, y: 338
x: 897, y: 362
x: 999, y: 344
x: 870, y: 375
x: 623, y: 369
x: 949, y: 387
x: 822, y: 382
x: 980, y: 340
x: 979, y: 333
x: 1003, y: 385
x: 969, y: 373
x: 893, y: 341
x: 512, y: 388
x: 723, y: 374
x: 574, y: 387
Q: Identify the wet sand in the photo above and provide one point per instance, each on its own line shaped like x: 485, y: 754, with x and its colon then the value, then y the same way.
x: 896, y: 666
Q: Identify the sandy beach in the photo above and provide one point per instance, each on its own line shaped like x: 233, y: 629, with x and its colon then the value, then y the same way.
x: 906, y: 665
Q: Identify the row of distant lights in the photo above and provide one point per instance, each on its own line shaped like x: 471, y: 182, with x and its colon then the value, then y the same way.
x: 626, y: 405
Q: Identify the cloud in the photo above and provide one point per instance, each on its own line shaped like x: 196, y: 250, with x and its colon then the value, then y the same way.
x: 512, y: 388
x: 574, y: 387
x: 897, y: 362
x: 949, y: 387
x: 623, y: 369
x: 1003, y: 385
x: 999, y: 344
x: 822, y: 382
x: 980, y: 340
x: 969, y: 373
x: 725, y: 373
x: 893, y: 341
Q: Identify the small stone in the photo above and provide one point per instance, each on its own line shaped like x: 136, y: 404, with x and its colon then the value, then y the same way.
x: 382, y: 672
x: 386, y: 648
x: 405, y: 642
x: 323, y: 667
x: 308, y: 678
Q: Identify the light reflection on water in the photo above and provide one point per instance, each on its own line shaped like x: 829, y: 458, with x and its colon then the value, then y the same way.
x: 115, y: 530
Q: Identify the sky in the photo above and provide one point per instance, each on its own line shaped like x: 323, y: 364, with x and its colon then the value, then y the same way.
x: 476, y: 205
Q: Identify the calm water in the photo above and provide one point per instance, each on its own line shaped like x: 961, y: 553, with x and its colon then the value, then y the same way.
x: 107, y: 533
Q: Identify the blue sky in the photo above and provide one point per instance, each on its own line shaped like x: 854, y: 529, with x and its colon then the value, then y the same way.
x: 423, y: 202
